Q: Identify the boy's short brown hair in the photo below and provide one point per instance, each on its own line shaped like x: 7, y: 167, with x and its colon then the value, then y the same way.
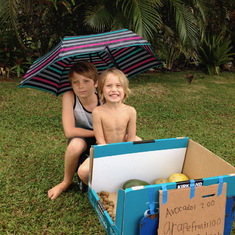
x: 85, y: 69
x: 123, y: 79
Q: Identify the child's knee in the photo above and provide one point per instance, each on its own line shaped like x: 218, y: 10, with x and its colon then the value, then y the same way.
x: 83, y: 172
x: 76, y: 146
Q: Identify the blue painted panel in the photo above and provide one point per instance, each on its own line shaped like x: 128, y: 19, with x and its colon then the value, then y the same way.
x: 230, y: 180
x: 131, y: 147
x: 229, y: 215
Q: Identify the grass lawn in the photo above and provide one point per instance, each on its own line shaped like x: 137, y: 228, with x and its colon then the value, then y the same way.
x: 32, y: 144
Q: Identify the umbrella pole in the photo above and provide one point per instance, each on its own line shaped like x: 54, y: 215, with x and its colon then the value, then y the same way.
x: 108, y: 52
x: 90, y: 58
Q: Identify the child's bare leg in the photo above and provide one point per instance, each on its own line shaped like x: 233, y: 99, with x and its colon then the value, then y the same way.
x: 83, y: 171
x: 75, y: 148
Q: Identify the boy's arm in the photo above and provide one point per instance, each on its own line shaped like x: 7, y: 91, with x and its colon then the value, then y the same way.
x: 68, y: 118
x: 131, y: 128
x: 97, y: 126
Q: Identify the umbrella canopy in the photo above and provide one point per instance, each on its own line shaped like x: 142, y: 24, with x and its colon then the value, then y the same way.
x: 122, y: 49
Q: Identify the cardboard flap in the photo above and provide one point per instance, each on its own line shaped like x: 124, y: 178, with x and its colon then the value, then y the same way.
x: 192, y: 211
x: 199, y: 160
x: 91, y: 156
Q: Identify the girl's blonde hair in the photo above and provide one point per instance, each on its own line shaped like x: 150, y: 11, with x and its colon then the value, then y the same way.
x: 123, y: 79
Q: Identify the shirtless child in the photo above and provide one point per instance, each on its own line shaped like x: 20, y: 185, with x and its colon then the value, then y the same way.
x: 114, y: 121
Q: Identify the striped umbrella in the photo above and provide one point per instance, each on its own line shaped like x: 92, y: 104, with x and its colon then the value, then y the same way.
x: 122, y: 49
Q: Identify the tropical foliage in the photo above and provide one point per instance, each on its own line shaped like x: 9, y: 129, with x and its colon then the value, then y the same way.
x: 175, y: 28
x: 139, y: 16
x: 214, y: 52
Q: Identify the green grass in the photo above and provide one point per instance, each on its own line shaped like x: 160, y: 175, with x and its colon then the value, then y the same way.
x: 32, y: 144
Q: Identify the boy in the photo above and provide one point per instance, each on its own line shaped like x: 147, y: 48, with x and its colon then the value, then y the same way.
x: 114, y: 121
x: 77, y: 107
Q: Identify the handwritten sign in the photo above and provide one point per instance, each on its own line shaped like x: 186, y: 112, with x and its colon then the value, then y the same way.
x: 203, y: 214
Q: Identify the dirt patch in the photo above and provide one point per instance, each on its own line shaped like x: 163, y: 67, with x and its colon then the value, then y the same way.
x: 219, y: 82
x: 194, y: 88
x: 10, y: 79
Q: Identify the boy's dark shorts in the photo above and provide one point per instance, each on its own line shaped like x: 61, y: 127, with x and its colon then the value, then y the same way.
x: 89, y: 142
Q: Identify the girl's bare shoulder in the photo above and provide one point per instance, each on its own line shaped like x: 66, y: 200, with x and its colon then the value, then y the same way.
x: 97, y: 109
x: 130, y: 109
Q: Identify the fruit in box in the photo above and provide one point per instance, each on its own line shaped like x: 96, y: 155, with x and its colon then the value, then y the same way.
x: 161, y: 181
x: 176, y: 177
x: 134, y: 182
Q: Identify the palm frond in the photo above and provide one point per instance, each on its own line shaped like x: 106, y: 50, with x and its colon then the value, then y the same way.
x: 142, y: 16
x: 199, y: 10
x: 9, y: 12
x: 185, y: 22
x: 199, y: 7
x: 98, y: 17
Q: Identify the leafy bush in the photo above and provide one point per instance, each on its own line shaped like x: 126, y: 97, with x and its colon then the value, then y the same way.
x: 13, y: 60
x: 29, y: 29
x: 214, y: 52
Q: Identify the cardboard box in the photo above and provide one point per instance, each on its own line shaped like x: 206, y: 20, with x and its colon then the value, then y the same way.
x: 114, y: 164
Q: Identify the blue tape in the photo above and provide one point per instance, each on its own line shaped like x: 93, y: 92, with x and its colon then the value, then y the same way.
x: 164, y: 194
x: 220, y: 187
x: 151, y: 201
x: 192, y: 189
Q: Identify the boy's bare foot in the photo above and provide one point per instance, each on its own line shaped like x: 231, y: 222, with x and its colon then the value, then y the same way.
x: 57, y: 190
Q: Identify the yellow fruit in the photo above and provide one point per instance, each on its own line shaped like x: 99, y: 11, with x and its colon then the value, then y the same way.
x: 161, y: 181
x: 176, y: 177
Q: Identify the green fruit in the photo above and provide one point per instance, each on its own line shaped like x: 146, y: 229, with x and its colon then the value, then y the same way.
x: 161, y: 181
x: 134, y: 182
